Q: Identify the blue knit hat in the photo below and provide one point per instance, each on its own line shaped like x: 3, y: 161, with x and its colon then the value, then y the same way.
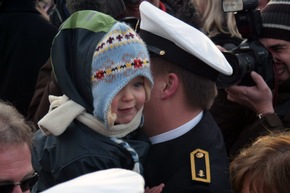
x: 119, y: 57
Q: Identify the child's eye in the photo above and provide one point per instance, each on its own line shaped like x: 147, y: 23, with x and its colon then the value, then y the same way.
x: 138, y: 84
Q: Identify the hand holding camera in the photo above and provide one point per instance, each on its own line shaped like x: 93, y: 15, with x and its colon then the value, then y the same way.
x: 258, y: 97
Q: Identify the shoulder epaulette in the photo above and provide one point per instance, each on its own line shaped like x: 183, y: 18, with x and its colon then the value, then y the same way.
x: 200, y: 166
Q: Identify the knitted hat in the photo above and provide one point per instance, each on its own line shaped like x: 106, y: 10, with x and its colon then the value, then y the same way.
x: 119, y: 57
x: 276, y: 20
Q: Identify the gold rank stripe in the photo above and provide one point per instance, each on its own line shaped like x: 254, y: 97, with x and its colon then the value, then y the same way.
x: 197, y: 173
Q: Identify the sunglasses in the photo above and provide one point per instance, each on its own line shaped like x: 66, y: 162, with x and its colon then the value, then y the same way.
x: 24, y: 185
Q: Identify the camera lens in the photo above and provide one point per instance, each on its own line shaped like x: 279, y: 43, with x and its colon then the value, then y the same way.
x: 249, y: 56
x: 242, y: 65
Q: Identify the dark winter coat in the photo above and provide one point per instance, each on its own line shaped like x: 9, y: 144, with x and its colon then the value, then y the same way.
x: 26, y: 38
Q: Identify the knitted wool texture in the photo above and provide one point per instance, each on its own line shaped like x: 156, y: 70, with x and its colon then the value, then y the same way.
x: 276, y: 20
x: 119, y: 57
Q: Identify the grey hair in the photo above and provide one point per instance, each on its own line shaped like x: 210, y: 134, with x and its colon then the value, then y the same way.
x: 14, y: 129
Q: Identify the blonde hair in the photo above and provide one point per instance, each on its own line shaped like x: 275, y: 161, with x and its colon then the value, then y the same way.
x: 265, y: 165
x: 215, y: 21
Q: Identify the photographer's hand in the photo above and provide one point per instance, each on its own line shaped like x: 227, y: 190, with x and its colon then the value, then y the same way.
x: 258, y: 98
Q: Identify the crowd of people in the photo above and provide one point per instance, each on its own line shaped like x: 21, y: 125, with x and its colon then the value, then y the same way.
x: 125, y: 96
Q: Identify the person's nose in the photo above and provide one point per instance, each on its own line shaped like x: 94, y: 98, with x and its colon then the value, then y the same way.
x: 127, y: 95
x: 274, y: 55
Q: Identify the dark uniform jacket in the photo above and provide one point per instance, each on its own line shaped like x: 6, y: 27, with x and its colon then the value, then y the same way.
x: 190, y: 162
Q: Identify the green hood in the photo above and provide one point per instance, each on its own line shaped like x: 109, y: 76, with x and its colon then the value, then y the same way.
x: 72, y: 53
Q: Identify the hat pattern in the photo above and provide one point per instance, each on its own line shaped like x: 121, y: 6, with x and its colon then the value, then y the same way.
x: 102, y: 73
x: 119, y: 57
x: 276, y: 20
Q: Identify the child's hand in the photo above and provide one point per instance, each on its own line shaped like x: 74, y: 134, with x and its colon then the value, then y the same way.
x: 155, y: 189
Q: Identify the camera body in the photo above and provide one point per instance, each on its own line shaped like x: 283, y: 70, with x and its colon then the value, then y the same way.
x: 250, y: 55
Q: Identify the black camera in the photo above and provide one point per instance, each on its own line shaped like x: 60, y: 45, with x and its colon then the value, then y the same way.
x: 250, y: 55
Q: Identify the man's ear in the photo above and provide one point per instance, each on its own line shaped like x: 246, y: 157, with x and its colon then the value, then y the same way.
x: 171, y: 86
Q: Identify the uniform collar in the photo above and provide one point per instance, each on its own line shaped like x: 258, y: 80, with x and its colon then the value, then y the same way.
x: 177, y: 132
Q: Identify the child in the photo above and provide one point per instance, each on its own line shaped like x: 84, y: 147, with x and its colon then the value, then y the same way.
x: 102, y: 67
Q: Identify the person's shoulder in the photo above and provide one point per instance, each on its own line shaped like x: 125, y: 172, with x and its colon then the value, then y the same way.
x: 200, y: 166
x: 42, y: 142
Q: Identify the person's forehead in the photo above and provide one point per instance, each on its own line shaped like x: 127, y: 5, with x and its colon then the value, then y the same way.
x: 15, y: 163
x: 268, y: 42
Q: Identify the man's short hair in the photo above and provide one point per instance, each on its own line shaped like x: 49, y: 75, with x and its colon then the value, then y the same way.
x: 13, y: 127
x: 200, y: 92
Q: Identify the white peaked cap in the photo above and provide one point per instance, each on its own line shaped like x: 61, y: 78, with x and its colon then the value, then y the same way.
x: 188, y: 46
x: 103, y: 181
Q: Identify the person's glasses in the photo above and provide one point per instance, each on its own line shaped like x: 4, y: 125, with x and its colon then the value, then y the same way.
x: 24, y: 185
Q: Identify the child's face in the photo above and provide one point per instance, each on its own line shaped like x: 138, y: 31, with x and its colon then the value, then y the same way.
x: 129, y: 100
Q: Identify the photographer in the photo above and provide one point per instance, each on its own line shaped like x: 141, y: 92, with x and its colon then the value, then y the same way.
x: 260, y: 109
